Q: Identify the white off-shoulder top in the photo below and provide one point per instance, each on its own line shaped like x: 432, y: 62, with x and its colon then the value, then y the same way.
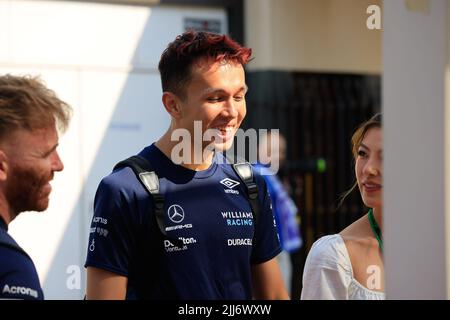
x: 328, y: 273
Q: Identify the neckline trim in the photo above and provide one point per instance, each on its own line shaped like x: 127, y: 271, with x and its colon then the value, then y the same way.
x: 352, y: 276
x: 176, y: 169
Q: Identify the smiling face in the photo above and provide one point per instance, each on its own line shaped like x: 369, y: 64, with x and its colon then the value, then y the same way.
x: 32, y: 160
x: 369, y: 168
x: 215, y: 96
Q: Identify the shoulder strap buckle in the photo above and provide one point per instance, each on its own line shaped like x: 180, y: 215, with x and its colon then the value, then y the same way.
x: 244, y: 171
x: 149, y: 179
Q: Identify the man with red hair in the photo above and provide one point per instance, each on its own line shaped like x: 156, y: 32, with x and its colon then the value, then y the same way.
x: 185, y: 228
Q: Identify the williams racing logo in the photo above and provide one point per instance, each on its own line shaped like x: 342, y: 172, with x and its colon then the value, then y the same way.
x: 237, y: 218
x: 230, y: 184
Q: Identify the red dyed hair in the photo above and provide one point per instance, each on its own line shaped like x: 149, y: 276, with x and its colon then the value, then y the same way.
x: 191, y: 46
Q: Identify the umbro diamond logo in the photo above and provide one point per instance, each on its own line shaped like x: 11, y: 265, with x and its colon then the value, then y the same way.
x: 229, y: 183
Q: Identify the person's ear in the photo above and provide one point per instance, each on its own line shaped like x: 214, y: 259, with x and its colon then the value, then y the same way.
x: 3, y: 166
x: 172, y: 104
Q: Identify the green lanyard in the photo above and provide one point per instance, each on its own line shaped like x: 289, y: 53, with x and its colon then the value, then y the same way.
x: 375, y: 229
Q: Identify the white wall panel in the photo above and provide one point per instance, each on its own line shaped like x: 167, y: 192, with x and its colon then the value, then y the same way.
x: 76, y: 33
x: 5, y: 33
x: 172, y: 22
x: 415, y: 57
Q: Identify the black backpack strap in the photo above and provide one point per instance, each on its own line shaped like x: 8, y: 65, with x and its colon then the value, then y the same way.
x: 244, y: 171
x: 149, y: 179
x: 8, y: 242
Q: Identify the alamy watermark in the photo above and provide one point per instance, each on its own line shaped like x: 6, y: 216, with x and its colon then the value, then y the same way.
x: 73, y: 281
x: 373, y: 22
x: 374, y: 279
x: 256, y: 146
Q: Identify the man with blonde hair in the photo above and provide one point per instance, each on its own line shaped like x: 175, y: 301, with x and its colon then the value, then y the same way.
x: 30, y: 114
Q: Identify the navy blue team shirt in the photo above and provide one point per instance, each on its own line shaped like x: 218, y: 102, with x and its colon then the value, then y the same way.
x: 18, y: 276
x: 208, y: 210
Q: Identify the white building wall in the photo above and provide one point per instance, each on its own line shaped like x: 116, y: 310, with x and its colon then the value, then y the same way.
x: 415, y: 59
x: 102, y: 59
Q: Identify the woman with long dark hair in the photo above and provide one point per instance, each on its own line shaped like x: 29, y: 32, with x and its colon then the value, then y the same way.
x: 349, y: 265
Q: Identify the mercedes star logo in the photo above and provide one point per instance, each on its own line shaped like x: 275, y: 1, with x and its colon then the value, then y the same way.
x: 175, y: 213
